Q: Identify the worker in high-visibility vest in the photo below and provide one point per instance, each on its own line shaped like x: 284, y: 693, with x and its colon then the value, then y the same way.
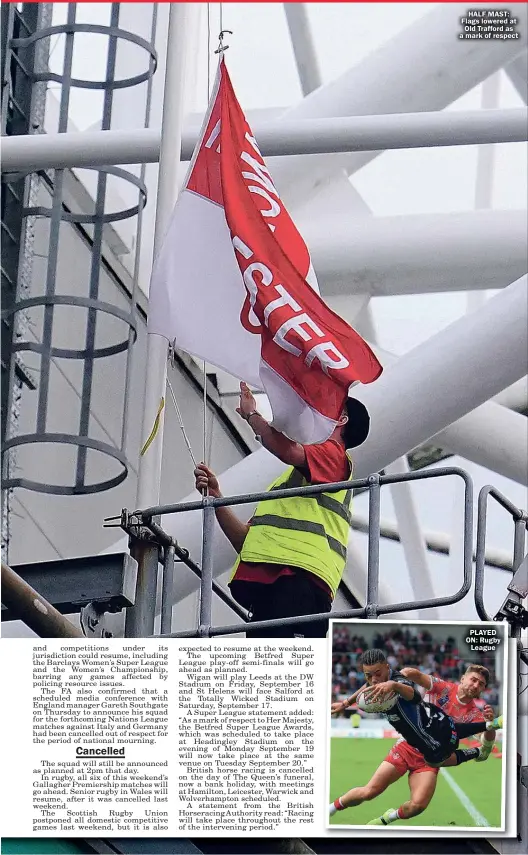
x: 292, y: 552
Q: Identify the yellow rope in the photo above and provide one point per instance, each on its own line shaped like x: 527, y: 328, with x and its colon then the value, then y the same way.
x: 155, y: 428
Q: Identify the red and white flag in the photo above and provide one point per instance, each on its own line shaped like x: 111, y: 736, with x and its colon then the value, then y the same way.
x: 233, y: 283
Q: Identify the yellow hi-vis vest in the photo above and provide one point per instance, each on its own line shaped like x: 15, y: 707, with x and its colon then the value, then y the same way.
x: 310, y: 532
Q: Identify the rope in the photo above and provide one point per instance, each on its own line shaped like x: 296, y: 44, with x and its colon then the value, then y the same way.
x: 180, y: 420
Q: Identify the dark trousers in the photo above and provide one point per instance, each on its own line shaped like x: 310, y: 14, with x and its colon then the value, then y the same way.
x: 289, y: 596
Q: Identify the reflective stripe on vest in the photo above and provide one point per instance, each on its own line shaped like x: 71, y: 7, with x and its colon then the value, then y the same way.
x: 310, y: 532
x: 300, y: 525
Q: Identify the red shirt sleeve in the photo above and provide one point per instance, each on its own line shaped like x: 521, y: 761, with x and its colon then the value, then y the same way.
x: 439, y: 688
x: 327, y: 462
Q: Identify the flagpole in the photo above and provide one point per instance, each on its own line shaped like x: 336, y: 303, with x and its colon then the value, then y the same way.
x: 140, y: 617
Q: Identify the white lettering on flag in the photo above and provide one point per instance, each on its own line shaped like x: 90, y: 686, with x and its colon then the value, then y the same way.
x: 230, y: 283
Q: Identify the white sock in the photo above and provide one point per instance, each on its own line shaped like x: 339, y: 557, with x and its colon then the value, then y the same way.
x: 333, y: 809
x: 392, y: 816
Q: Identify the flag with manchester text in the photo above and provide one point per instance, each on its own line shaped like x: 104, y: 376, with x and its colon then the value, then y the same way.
x: 233, y: 283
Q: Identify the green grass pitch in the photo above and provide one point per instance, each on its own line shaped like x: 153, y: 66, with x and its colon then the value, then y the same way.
x: 353, y: 761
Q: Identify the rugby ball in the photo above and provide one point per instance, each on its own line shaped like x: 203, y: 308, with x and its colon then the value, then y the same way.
x: 380, y: 706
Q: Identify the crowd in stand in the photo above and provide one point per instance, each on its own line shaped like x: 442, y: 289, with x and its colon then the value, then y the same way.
x: 410, y: 646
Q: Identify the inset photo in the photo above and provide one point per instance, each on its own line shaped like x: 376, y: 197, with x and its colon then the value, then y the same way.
x: 418, y: 725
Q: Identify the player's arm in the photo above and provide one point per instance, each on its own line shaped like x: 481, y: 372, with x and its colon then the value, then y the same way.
x: 407, y: 690
x: 488, y: 714
x: 418, y: 677
x: 339, y: 706
x: 277, y: 443
x: 403, y: 688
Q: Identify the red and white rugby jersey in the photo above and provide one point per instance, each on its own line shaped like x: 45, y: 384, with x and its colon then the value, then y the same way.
x: 445, y: 695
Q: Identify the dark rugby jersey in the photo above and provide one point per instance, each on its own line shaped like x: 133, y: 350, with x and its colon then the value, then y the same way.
x: 422, y: 724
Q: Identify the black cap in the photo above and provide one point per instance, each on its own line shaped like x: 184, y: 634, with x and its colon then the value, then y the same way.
x: 358, y: 425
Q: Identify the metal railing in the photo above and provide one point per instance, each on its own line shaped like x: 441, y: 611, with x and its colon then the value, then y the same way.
x: 372, y: 608
x: 520, y: 519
